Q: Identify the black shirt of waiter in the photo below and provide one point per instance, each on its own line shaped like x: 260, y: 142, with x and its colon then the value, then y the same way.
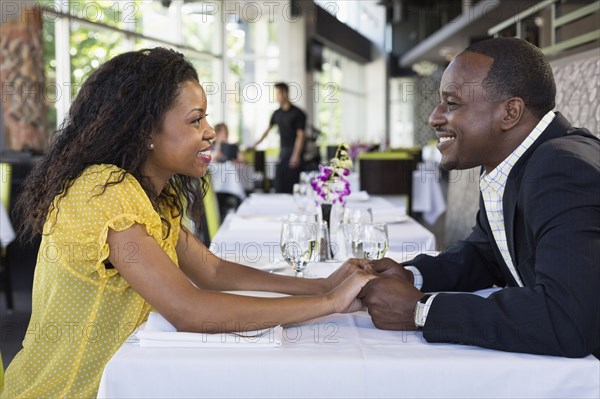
x: 289, y: 122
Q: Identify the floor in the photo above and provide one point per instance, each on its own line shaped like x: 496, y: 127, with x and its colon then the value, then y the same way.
x: 13, y: 324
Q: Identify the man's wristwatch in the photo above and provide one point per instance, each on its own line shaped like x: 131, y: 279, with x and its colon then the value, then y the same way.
x: 420, y: 311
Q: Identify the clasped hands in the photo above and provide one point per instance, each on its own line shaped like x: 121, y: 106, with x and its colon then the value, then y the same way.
x: 391, y: 297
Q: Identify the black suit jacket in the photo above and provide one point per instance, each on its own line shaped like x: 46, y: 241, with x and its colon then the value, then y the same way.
x: 552, y: 219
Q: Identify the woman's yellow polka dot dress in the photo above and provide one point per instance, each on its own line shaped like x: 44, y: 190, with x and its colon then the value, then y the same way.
x: 82, y: 311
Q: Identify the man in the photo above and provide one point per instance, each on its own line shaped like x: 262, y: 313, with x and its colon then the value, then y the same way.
x: 291, y: 121
x: 538, y: 228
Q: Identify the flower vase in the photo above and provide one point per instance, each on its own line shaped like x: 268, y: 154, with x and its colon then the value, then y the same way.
x: 328, y: 250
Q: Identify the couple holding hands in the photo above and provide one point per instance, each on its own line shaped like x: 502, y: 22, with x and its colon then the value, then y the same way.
x: 126, y: 164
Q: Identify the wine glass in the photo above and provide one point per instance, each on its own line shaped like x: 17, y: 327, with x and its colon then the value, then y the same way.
x: 300, y: 193
x: 298, y: 242
x: 370, y: 240
x: 357, y: 214
x: 303, y: 217
x: 304, y: 177
x: 353, y: 215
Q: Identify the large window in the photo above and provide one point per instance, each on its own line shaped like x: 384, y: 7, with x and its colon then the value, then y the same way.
x: 252, y: 67
x: 234, y: 45
x: 340, y: 97
x: 80, y: 36
x: 365, y: 16
x: 351, y: 103
x: 240, y: 49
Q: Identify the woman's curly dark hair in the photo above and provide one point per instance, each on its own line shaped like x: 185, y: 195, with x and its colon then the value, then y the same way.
x: 110, y: 122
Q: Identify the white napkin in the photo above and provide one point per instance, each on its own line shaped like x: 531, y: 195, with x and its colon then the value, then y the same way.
x: 240, y: 223
x: 159, y: 333
x: 394, y: 215
x: 358, y: 196
x: 271, y: 196
x: 265, y: 208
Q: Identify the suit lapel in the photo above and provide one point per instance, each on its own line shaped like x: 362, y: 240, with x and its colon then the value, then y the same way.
x: 556, y: 128
x: 509, y: 204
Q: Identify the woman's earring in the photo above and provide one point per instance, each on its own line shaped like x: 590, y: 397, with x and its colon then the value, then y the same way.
x: 151, y: 146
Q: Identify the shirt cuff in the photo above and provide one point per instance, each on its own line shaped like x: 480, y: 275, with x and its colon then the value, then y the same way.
x: 418, y: 276
x: 424, y: 312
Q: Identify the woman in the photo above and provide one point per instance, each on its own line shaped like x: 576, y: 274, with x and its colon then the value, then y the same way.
x: 108, y: 198
x: 224, y: 150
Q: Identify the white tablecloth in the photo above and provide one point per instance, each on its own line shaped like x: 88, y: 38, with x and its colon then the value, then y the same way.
x: 427, y: 192
x: 339, y: 356
x: 7, y: 234
x: 251, y: 235
x: 345, y: 356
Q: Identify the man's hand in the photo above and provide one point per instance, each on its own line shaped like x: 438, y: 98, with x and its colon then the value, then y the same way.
x: 386, y: 267
x: 391, y: 303
x: 295, y: 161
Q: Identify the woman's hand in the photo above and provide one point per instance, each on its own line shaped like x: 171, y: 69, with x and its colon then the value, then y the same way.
x: 342, y: 273
x: 345, y: 296
x: 387, y: 267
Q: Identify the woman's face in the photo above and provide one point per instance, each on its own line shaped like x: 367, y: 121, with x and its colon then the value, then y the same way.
x: 183, y: 144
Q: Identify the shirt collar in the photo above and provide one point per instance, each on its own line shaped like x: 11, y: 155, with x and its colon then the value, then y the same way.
x: 496, y: 179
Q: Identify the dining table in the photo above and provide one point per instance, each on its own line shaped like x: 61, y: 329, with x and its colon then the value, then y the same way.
x: 337, y: 356
x: 251, y: 235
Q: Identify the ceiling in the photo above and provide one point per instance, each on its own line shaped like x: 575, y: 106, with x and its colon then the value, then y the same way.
x: 440, y: 46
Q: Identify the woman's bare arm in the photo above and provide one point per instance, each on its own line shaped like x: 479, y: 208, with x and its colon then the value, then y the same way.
x: 210, y: 272
x: 167, y: 289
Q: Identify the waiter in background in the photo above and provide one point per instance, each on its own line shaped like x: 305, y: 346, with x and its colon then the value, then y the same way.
x: 291, y: 121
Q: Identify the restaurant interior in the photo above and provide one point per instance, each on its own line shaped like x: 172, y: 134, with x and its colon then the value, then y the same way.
x: 366, y: 74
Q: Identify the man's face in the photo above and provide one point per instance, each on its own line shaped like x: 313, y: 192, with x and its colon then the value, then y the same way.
x: 280, y: 96
x: 467, y: 118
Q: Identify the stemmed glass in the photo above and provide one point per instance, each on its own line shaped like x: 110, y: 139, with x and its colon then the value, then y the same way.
x: 351, y: 216
x: 370, y: 240
x: 357, y: 214
x: 301, y: 195
x: 303, y: 217
x: 298, y: 242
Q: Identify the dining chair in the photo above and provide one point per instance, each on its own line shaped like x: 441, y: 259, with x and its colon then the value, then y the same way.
x: 387, y: 173
x: 256, y: 158
x: 211, y: 218
x: 5, y: 191
x: 1, y: 373
x: 227, y: 203
x: 415, y: 152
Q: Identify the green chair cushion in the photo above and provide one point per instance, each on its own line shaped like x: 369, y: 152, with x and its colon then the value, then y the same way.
x: 211, y: 208
x: 382, y: 156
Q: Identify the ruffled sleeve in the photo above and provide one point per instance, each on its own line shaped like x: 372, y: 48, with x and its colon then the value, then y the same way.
x: 91, y: 208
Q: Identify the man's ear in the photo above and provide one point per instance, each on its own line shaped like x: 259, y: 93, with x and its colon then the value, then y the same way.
x: 512, y: 112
